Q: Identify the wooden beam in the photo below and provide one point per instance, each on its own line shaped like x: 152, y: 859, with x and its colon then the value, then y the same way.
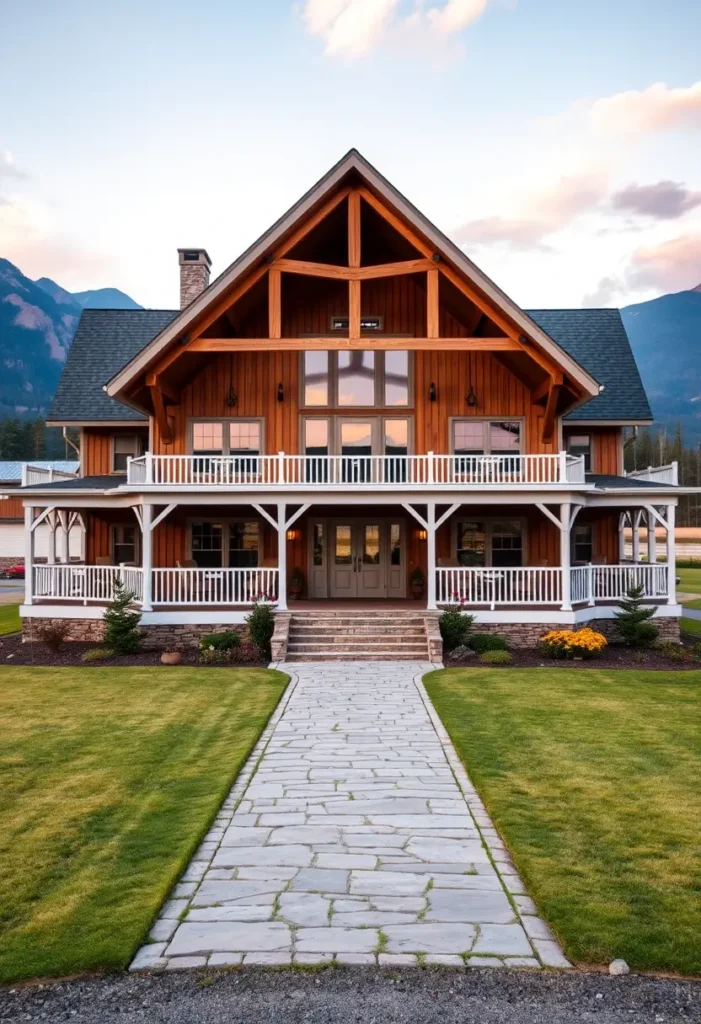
x: 365, y: 341
x: 274, y: 303
x: 354, y: 229
x: 311, y: 222
x: 159, y: 411
x: 394, y: 221
x: 153, y: 380
x: 544, y: 389
x: 354, y: 310
x: 331, y: 270
x: 550, y: 412
x: 229, y: 299
x: 432, y: 308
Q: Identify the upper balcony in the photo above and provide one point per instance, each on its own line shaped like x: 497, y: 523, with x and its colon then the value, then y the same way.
x: 370, y: 472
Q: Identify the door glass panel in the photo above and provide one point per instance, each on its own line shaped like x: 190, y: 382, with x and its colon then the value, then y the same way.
x: 371, y: 545
x: 343, y: 554
x: 396, y: 437
x: 316, y: 378
x: 356, y: 443
x: 244, y: 441
x: 356, y: 378
x: 207, y: 545
x: 243, y: 545
x: 396, y: 378
x: 395, y: 544
x: 318, y: 544
x: 471, y: 543
x: 507, y: 544
x: 316, y: 445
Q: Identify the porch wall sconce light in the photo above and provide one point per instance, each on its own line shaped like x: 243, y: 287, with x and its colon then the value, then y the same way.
x: 432, y: 393
x: 471, y: 397
x: 292, y: 534
x: 422, y: 534
x: 280, y: 393
x: 231, y: 397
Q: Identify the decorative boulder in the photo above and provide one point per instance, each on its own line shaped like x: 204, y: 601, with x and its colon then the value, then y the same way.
x: 171, y: 658
x: 461, y: 653
x: 617, y: 967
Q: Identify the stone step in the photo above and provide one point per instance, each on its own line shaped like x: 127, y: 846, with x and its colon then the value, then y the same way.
x: 357, y: 631
x: 342, y: 645
x: 339, y: 636
x: 355, y: 656
x: 340, y: 623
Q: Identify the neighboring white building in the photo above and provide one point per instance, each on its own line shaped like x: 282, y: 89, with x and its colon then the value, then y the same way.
x: 12, y: 513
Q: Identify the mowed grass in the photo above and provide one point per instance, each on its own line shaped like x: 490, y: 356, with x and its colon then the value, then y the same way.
x: 690, y: 583
x: 691, y: 625
x: 593, y: 779
x: 9, y: 619
x: 109, y: 779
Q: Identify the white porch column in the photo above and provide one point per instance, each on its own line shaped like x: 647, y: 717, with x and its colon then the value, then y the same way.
x: 622, y: 537
x: 65, y: 537
x: 671, y: 555
x: 651, y: 539
x: 52, y: 538
x: 147, y: 554
x: 28, y: 554
x: 565, y: 515
x: 281, y: 557
x: 636, y: 536
x: 431, y: 556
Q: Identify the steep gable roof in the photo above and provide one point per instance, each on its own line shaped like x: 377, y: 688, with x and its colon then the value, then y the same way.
x: 353, y: 163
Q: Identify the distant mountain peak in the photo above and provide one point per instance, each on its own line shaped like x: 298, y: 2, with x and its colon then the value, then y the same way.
x: 95, y: 298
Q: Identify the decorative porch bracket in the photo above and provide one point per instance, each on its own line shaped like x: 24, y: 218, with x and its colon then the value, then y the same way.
x: 282, y: 525
x: 430, y: 525
x: 568, y: 513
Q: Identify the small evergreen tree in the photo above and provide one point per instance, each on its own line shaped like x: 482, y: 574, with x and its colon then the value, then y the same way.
x: 122, y: 635
x: 261, y: 626
x: 633, y: 623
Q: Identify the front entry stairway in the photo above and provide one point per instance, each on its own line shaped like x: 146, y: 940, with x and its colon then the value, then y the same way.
x: 361, y: 635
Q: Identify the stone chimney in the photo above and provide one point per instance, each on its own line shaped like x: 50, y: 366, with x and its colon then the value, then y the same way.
x: 194, y: 274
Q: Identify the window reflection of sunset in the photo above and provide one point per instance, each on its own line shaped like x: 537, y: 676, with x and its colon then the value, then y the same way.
x: 356, y: 434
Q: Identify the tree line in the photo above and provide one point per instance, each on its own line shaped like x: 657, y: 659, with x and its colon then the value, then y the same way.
x: 29, y: 440
x: 654, y: 446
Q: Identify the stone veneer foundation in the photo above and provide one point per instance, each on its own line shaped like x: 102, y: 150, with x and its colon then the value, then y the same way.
x: 156, y: 638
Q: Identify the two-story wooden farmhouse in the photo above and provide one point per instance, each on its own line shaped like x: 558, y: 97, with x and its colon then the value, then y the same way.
x: 352, y: 414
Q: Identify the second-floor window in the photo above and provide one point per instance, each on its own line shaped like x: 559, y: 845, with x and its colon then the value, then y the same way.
x: 486, y: 437
x: 227, y: 437
x: 124, y: 447
x: 580, y: 444
x: 355, y: 379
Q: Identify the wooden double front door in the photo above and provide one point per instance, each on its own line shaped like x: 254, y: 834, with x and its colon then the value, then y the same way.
x: 357, y: 558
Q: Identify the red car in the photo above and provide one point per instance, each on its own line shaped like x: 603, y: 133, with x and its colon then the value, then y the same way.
x: 16, y: 572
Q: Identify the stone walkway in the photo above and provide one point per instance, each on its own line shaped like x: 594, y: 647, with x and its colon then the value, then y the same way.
x: 353, y: 834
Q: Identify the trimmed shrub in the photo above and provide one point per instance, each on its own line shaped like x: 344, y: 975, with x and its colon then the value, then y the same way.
x: 219, y: 648
x: 122, y: 634
x: 53, y: 633
x: 633, y: 623
x: 571, y: 643
x: 482, y: 642
x: 455, y: 627
x: 261, y: 626
x: 496, y: 657
x: 95, y: 654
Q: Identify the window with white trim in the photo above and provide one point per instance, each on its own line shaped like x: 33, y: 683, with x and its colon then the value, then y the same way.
x: 356, y: 379
x: 497, y: 543
x: 580, y: 444
x: 232, y: 543
x: 582, y: 543
x: 125, y: 447
x: 486, y: 437
x: 227, y: 437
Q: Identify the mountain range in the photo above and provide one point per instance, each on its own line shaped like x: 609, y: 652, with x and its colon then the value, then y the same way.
x: 38, y: 320
x: 37, y: 323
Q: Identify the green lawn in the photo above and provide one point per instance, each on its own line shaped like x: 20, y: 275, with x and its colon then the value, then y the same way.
x: 691, y: 625
x: 9, y: 619
x: 109, y: 779
x: 690, y: 583
x: 593, y: 779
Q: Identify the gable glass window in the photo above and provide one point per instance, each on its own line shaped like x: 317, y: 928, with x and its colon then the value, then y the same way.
x: 124, y: 544
x: 356, y: 379
x: 124, y: 447
x: 580, y: 444
x: 582, y: 543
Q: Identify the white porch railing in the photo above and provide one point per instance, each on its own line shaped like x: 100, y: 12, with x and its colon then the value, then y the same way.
x: 532, y: 586
x: 338, y: 471
x: 213, y: 586
x: 32, y: 475
x: 657, y: 474
x: 85, y: 582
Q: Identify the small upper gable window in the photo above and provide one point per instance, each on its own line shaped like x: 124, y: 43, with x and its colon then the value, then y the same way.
x: 580, y: 444
x: 124, y: 447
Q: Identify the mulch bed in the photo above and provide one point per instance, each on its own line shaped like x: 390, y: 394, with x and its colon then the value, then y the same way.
x: 14, y: 652
x: 613, y: 657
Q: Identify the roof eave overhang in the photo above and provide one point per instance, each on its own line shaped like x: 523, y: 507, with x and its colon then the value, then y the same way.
x: 352, y: 162
x: 607, y: 423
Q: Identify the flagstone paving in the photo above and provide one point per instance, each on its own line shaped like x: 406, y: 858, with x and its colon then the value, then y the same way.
x: 354, y: 835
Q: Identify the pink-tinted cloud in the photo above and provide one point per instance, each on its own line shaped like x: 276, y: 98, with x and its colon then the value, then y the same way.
x: 666, y: 200
x: 653, y: 109
x: 671, y: 266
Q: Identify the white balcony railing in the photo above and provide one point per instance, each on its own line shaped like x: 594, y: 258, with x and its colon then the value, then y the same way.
x: 85, y: 582
x: 657, y: 474
x: 214, y: 586
x: 342, y: 471
x: 33, y: 475
x: 532, y: 586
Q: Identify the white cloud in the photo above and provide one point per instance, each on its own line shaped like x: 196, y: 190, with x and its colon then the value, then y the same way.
x: 352, y: 28
x: 653, y: 109
x: 673, y: 265
x: 8, y: 167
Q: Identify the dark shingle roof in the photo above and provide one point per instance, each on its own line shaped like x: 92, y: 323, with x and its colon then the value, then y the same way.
x: 106, y: 339
x: 82, y: 483
x: 607, y: 481
x: 597, y: 339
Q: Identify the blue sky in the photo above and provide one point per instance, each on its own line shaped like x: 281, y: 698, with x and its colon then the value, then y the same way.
x: 559, y: 143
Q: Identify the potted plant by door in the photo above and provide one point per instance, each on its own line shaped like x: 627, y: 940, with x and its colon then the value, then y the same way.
x: 296, y: 582
x: 417, y: 582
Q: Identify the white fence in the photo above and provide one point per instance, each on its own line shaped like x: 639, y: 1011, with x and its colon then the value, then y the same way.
x: 85, y: 582
x: 32, y: 475
x: 213, y: 586
x: 533, y: 586
x: 657, y: 474
x: 335, y: 471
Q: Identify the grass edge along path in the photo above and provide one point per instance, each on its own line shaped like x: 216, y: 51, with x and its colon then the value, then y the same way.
x: 111, y: 777
x: 9, y: 619
x: 593, y: 780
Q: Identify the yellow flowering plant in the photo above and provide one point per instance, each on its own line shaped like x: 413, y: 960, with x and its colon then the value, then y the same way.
x: 572, y: 643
